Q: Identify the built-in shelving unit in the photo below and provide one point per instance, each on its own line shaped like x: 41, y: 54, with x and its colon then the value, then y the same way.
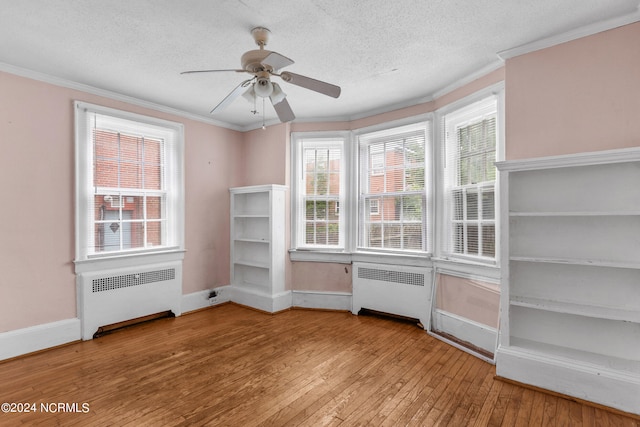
x: 258, y: 247
x: 570, y: 302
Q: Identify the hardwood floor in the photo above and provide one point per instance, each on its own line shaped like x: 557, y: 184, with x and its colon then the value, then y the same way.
x: 233, y: 366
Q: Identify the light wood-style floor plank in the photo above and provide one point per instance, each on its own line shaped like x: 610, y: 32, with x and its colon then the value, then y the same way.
x: 230, y: 365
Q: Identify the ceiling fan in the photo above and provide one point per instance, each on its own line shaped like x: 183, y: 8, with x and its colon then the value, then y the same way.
x: 263, y: 64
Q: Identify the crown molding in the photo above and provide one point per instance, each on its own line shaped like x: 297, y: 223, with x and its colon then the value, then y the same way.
x: 57, y: 81
x: 619, y: 155
x: 576, y: 33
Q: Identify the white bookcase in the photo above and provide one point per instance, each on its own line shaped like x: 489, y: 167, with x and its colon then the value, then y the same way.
x: 570, y: 301
x: 258, y: 247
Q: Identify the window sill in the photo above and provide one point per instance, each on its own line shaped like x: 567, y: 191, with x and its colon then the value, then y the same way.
x: 106, y: 262
x: 468, y: 268
x: 451, y: 266
x: 420, y: 260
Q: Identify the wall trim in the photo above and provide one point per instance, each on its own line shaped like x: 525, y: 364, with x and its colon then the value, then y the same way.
x: 322, y: 300
x: 602, y: 386
x: 481, y: 336
x: 57, y: 81
x: 576, y: 33
x: 619, y: 155
x: 200, y: 299
x: 40, y: 337
x: 261, y: 301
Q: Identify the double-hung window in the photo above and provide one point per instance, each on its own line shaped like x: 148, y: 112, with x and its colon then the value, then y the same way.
x: 129, y: 185
x: 392, y: 203
x: 319, y: 190
x: 470, y: 177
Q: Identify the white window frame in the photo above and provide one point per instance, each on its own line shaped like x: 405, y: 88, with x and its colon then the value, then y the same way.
x: 364, y: 138
x: 173, y: 191
x: 300, y: 141
x: 467, y: 111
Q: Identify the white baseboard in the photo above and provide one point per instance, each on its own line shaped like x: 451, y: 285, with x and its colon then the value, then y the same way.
x: 567, y: 376
x: 197, y: 300
x: 481, y: 336
x: 322, y: 300
x: 34, y: 338
x: 261, y: 301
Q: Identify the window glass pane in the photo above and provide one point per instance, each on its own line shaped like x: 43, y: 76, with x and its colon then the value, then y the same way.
x: 374, y: 235
x: 412, y: 236
x: 134, y: 233
x: 488, y: 204
x: 333, y: 237
x: 394, y: 180
x: 334, y: 183
x: 310, y: 233
x: 458, y: 238
x: 414, y: 179
x: 458, y: 208
x: 488, y: 240
x: 472, y: 240
x: 321, y: 233
x: 472, y: 204
x: 310, y: 210
x: 134, y: 205
x: 154, y: 207
x: 333, y: 212
x: 412, y: 208
x: 392, y: 236
x: 154, y: 233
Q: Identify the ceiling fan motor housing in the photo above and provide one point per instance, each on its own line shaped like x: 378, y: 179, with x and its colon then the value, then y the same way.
x: 252, y: 61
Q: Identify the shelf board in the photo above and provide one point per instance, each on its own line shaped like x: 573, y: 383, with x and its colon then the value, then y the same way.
x: 616, y: 365
x: 250, y: 240
x: 251, y: 263
x: 578, y: 309
x: 578, y: 262
x: 576, y: 213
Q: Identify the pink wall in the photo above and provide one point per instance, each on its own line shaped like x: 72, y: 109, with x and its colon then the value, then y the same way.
x: 471, y: 299
x: 37, y: 220
x: 320, y: 276
x: 575, y: 97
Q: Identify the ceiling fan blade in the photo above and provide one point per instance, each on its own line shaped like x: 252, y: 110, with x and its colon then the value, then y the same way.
x: 277, y: 61
x: 312, y: 84
x: 283, y: 110
x: 232, y: 96
x: 209, y: 71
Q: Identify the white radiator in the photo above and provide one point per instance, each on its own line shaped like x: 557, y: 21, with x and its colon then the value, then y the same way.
x: 403, y: 291
x: 112, y: 296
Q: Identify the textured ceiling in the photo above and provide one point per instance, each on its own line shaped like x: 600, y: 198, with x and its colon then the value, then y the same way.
x: 382, y: 53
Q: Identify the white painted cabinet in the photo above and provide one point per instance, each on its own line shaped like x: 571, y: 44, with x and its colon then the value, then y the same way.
x: 258, y: 247
x: 570, y: 307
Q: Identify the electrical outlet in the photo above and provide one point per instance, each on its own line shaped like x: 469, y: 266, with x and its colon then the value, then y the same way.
x: 214, y: 300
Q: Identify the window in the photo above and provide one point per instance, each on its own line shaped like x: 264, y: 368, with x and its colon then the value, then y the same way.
x: 392, y: 201
x: 470, y: 176
x: 129, y: 183
x: 319, y: 189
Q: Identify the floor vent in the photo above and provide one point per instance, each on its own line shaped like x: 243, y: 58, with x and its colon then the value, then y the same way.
x: 402, y: 277
x: 135, y: 279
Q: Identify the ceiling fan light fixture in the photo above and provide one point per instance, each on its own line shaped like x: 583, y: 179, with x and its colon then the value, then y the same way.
x: 263, y: 87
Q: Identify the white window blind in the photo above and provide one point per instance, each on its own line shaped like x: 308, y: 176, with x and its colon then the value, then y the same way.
x: 392, y: 201
x: 320, y: 193
x: 129, y: 183
x: 470, y: 176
